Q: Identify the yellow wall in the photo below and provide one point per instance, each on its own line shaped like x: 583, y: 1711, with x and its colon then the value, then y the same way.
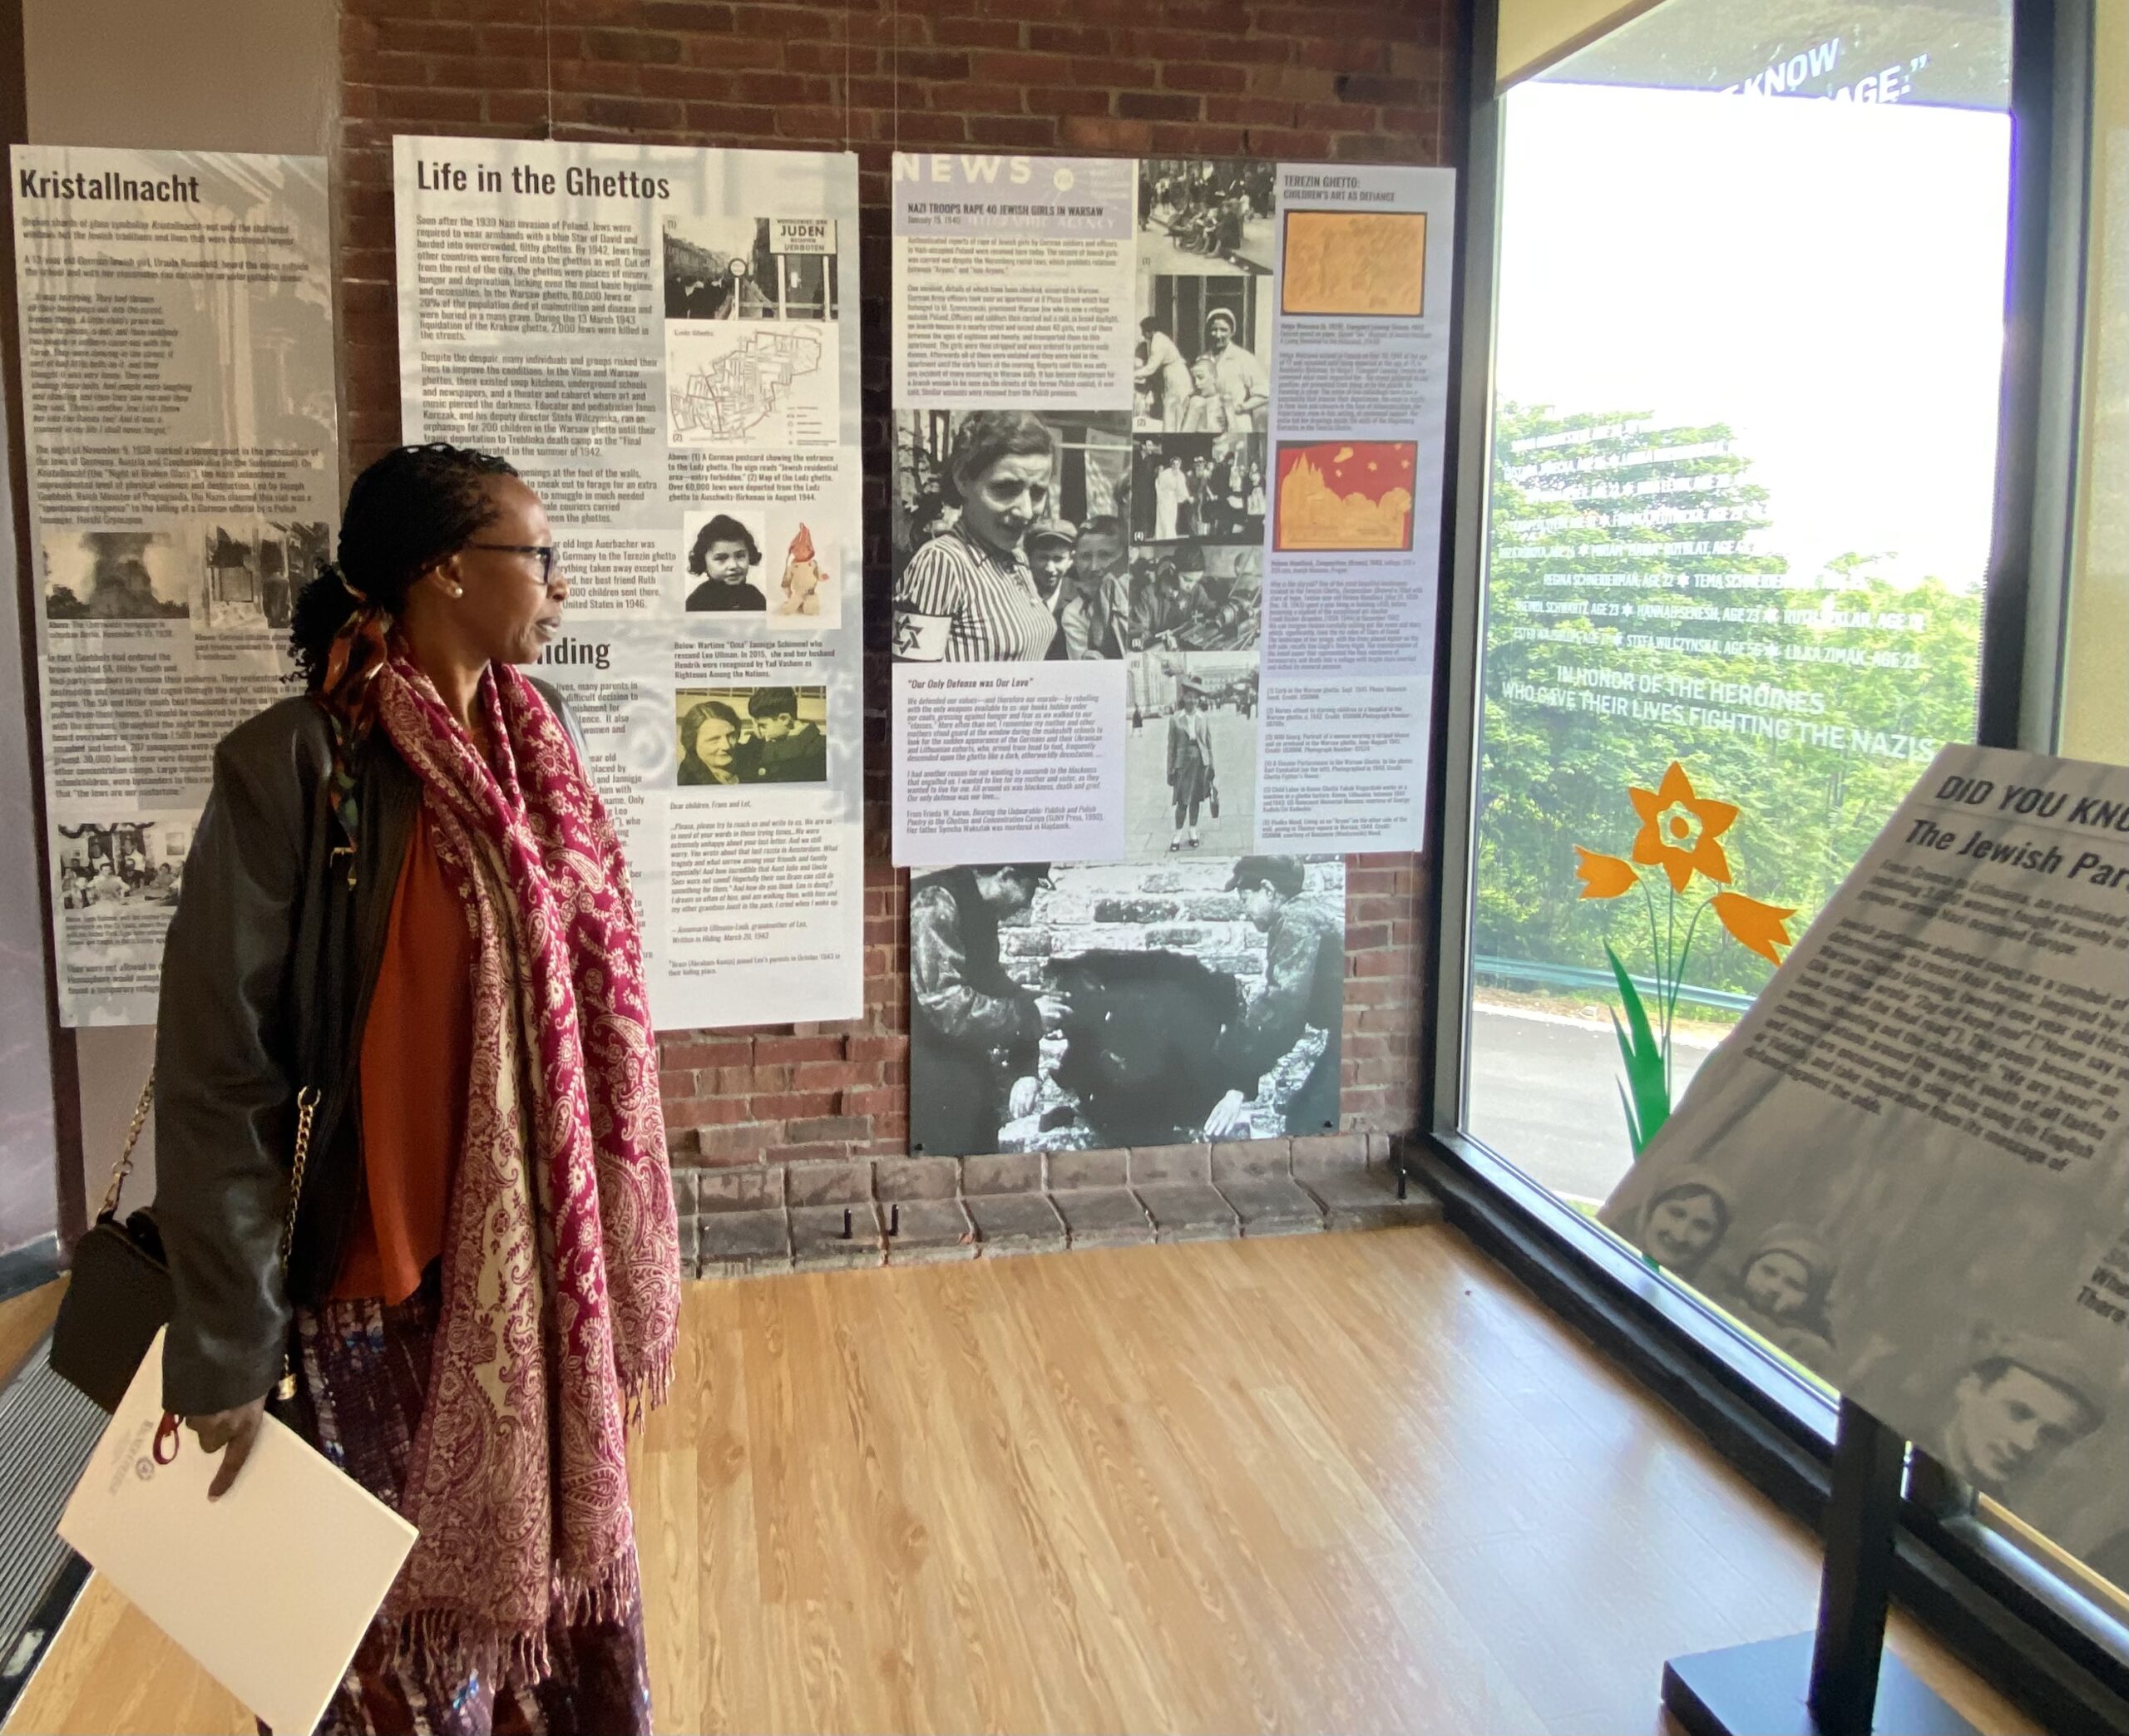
x: 1535, y: 33
x: 2095, y: 673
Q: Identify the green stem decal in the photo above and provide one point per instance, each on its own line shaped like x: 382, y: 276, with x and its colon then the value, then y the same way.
x: 1647, y: 1096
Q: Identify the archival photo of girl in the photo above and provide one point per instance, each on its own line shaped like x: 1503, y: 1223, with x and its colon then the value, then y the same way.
x: 724, y: 554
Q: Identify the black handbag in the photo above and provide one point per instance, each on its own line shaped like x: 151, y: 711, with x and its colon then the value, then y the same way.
x: 1212, y: 800
x: 118, y: 1293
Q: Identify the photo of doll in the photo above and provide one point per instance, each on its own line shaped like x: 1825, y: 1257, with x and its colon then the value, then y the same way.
x: 806, y: 596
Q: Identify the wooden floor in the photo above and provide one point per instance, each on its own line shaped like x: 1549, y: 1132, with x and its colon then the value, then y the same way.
x: 24, y: 1320
x: 1331, y: 1482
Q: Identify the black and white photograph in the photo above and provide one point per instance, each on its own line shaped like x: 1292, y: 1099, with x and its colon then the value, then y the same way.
x: 751, y: 735
x: 117, y: 575
x: 1192, y: 596
x: 1201, y: 364
x: 722, y: 551
x: 750, y: 267
x: 125, y: 864
x: 250, y: 573
x: 1798, y: 1252
x: 1209, y: 487
x: 1010, y: 532
x: 1200, y: 215
x: 1073, y: 1007
x: 1190, y: 754
x: 1083, y: 571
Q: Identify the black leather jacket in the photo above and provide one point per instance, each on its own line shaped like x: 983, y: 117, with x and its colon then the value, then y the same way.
x: 267, y: 973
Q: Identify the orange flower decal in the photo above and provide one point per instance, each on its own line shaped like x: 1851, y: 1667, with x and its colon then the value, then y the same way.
x: 1759, y: 927
x: 1603, y: 876
x: 1679, y: 831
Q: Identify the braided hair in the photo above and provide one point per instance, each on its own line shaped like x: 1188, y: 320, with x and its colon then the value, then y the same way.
x: 413, y: 507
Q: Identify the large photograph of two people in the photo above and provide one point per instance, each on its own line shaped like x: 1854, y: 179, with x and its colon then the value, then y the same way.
x: 1058, y: 1007
x: 756, y: 735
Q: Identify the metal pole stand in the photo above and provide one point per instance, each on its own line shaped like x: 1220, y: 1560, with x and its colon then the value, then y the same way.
x: 1838, y: 1681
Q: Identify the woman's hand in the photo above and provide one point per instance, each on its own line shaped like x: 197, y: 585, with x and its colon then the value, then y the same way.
x: 232, y: 1433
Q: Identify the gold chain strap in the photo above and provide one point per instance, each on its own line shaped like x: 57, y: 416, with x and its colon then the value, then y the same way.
x: 306, y: 1109
x: 132, y: 1139
x: 307, y: 1100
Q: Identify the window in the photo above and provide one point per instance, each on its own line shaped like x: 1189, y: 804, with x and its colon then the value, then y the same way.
x: 1747, y: 345
x: 1739, y: 464
x: 2095, y: 713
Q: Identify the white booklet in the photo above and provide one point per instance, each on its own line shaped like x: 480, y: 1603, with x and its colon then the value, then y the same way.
x: 269, y: 1589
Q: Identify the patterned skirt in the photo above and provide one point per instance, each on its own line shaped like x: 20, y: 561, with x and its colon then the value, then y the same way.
x: 365, y: 1378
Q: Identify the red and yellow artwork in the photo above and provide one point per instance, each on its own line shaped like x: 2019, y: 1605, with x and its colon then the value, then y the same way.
x: 1344, y: 494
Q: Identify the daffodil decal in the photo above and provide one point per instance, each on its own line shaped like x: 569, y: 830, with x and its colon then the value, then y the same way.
x: 1603, y: 876
x: 1680, y: 831
x: 1680, y: 834
x: 1760, y: 927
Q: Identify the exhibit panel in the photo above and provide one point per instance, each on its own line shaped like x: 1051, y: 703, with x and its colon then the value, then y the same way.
x: 176, y: 328
x: 1908, y: 1167
x: 659, y: 339
x: 1168, y: 442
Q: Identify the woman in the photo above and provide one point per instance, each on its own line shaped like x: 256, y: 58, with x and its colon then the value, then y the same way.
x: 406, y: 950
x: 1683, y: 1224
x: 967, y: 595
x: 724, y: 553
x: 1782, y: 1294
x: 1162, y: 373
x: 1190, y: 771
x: 709, y: 744
x: 1170, y: 493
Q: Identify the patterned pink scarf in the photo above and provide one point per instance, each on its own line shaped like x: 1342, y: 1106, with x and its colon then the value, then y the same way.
x: 561, y: 1258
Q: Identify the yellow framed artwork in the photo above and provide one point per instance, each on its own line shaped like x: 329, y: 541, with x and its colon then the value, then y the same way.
x: 1368, y: 264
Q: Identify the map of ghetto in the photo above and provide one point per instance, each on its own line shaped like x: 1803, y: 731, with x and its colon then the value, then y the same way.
x: 763, y: 386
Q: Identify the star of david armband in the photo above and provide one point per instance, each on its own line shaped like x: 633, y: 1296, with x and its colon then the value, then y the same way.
x: 921, y: 638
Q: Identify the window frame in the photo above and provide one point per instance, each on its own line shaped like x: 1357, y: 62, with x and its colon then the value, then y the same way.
x: 1991, y: 1594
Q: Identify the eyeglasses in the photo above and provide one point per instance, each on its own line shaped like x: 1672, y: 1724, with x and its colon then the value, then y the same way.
x: 548, y: 555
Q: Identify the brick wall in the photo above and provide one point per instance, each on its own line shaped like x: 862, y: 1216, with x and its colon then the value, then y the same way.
x: 1102, y: 78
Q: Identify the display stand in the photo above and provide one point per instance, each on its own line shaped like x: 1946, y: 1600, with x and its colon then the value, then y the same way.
x: 1838, y: 1681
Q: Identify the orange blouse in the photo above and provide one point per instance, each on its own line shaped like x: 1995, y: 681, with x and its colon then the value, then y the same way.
x: 416, y: 1052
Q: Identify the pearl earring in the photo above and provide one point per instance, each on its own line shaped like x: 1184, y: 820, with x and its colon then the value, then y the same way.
x: 457, y: 590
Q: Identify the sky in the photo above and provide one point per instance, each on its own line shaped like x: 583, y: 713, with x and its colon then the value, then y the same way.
x: 1827, y: 278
